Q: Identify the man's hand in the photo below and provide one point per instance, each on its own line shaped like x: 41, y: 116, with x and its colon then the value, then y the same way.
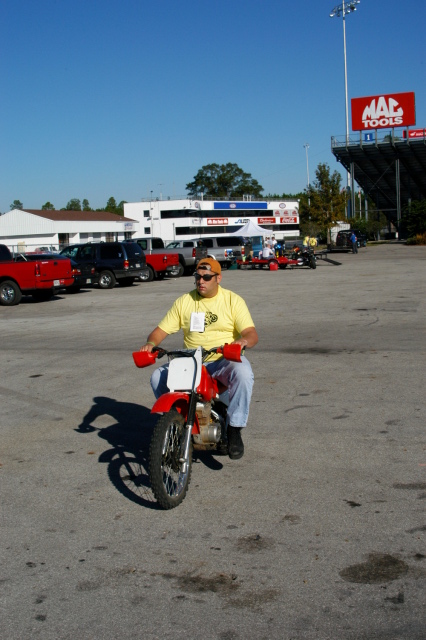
x: 147, y: 347
x: 242, y: 342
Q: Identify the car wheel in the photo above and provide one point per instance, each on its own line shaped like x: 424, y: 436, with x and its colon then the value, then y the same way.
x: 180, y: 271
x: 106, y: 280
x: 10, y: 293
x: 148, y: 275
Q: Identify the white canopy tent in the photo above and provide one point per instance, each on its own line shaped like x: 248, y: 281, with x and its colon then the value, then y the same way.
x: 251, y: 230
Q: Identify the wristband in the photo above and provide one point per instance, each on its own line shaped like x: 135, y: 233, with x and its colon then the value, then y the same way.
x: 149, y: 342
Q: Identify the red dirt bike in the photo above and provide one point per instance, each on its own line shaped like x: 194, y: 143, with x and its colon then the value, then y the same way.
x: 193, y: 417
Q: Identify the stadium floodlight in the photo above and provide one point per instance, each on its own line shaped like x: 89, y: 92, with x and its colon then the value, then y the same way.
x: 342, y: 10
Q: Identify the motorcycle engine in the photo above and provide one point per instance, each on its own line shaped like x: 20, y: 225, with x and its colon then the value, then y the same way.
x: 210, y: 431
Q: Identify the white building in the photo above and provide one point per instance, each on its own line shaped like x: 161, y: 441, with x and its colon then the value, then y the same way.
x: 29, y: 229
x: 194, y: 218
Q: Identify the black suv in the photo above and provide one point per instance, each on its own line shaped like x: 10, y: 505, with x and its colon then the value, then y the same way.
x: 342, y: 238
x: 120, y: 262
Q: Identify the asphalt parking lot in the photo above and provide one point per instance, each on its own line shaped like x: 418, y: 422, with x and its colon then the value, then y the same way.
x: 317, y: 533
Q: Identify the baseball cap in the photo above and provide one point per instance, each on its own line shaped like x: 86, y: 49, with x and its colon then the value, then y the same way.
x: 210, y: 264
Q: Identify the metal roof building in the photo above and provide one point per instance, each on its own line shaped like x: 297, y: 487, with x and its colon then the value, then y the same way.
x: 32, y: 228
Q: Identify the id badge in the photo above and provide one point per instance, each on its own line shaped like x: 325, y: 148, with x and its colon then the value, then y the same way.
x: 197, y: 321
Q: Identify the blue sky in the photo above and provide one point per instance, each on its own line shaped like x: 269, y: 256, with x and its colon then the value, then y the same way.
x: 121, y: 97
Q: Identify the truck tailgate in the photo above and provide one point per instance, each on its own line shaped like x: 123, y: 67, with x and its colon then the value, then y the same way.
x: 200, y: 252
x: 53, y: 272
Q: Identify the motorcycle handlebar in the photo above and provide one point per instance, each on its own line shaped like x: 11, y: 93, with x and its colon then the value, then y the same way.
x: 146, y: 358
x: 230, y: 352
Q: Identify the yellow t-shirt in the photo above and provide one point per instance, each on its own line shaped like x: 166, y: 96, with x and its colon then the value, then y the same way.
x: 226, y: 315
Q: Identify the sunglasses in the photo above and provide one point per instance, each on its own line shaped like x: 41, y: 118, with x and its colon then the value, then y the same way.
x: 207, y: 276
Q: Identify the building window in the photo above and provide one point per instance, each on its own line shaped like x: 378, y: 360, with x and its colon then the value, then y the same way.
x: 146, y: 213
x: 109, y: 237
x: 178, y: 213
x: 147, y: 231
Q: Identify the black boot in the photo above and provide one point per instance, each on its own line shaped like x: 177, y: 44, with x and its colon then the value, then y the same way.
x: 235, y: 443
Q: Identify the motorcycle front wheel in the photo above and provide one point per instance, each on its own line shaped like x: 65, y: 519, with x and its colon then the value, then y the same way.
x: 169, y: 484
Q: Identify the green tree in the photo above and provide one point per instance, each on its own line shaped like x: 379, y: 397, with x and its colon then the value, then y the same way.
x: 414, y: 218
x: 284, y: 196
x: 324, y: 201
x: 120, y: 207
x: 73, y: 205
x: 16, y: 204
x: 48, y: 206
x: 85, y: 205
x: 111, y: 205
x: 223, y: 181
x: 377, y: 221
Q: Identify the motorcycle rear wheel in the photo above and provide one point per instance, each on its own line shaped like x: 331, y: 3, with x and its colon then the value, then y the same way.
x: 169, y: 484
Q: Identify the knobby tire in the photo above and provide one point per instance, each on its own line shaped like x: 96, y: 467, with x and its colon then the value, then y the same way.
x: 169, y: 485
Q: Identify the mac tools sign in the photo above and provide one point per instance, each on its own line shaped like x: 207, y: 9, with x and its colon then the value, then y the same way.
x: 383, y: 112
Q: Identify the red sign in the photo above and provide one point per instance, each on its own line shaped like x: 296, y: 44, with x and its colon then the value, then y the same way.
x: 266, y: 220
x: 414, y: 133
x: 289, y: 219
x: 383, y: 112
x: 217, y: 221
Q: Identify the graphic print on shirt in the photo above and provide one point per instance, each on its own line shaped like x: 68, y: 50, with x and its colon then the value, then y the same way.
x: 210, y: 318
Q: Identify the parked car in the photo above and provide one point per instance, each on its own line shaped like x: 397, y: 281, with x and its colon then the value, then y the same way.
x: 226, y: 249
x: 159, y: 262
x: 84, y: 274
x: 189, y: 252
x: 50, y: 249
x: 114, y: 262
x: 342, y: 238
x: 40, y: 278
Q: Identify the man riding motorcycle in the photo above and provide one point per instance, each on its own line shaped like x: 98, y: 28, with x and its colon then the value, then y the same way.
x: 210, y: 315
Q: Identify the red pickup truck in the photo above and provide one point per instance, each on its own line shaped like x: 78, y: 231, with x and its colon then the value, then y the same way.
x: 38, y: 278
x: 160, y: 265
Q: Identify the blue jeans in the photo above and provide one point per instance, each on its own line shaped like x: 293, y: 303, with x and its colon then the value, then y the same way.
x: 237, y: 376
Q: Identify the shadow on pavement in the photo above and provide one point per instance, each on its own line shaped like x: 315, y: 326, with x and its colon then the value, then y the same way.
x: 129, y: 438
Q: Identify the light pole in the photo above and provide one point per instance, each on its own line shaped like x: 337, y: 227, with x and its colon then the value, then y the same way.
x: 307, y: 161
x: 342, y: 10
x: 307, y: 171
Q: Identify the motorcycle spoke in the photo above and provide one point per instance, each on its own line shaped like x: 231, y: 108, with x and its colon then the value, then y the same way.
x: 168, y: 481
x: 170, y: 462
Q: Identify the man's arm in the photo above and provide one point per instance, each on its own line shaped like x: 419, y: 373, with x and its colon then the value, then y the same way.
x: 249, y: 338
x: 154, y: 339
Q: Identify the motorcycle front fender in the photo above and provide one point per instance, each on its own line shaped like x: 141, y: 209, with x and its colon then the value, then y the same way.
x: 175, y: 400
